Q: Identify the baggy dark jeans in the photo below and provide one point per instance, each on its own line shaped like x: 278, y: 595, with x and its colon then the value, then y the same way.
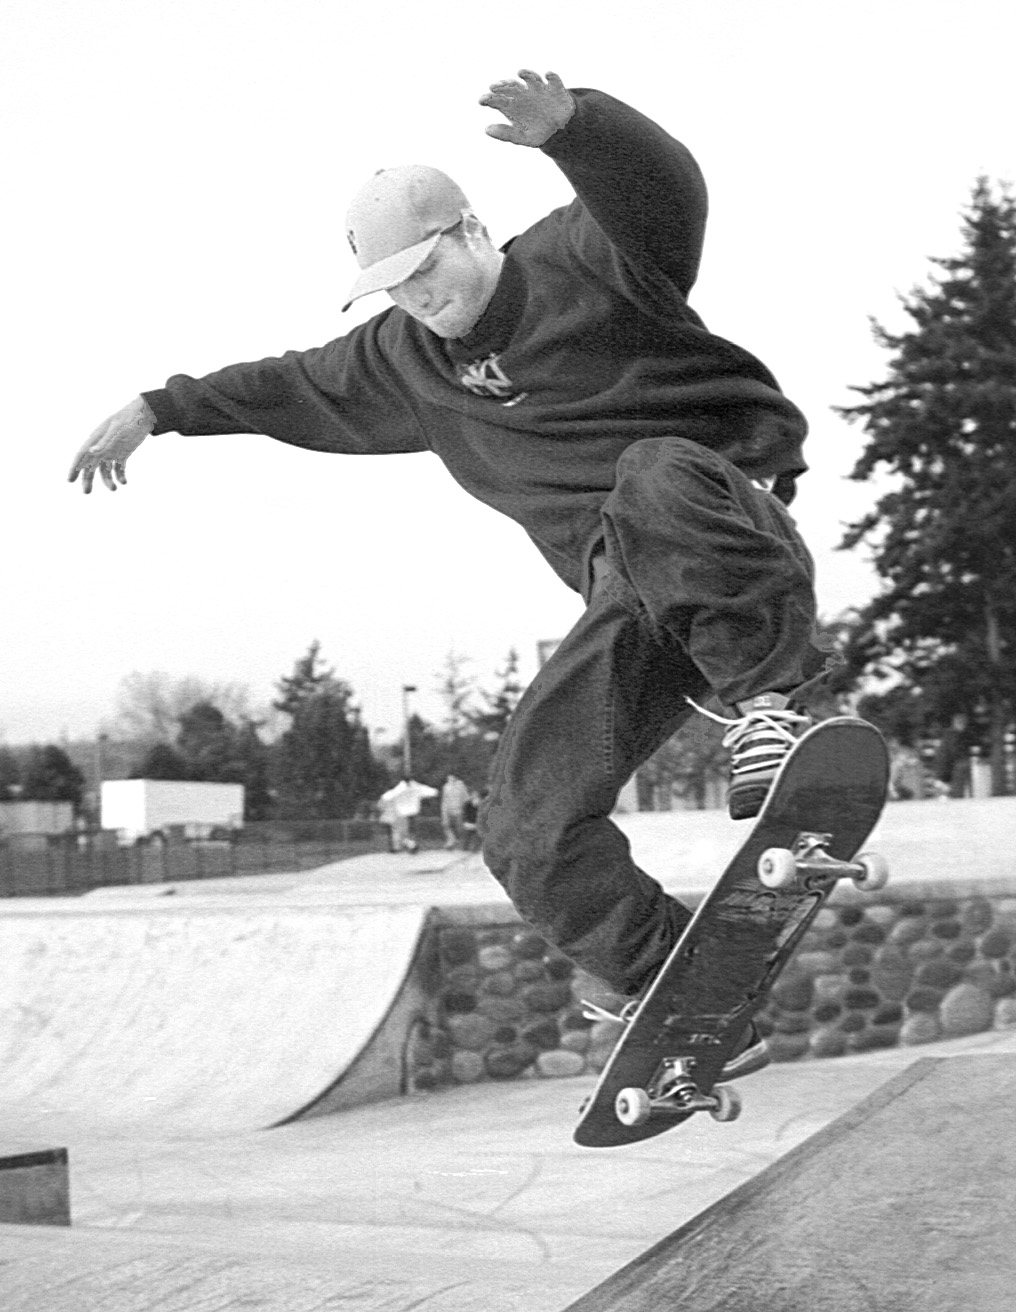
x: 706, y: 587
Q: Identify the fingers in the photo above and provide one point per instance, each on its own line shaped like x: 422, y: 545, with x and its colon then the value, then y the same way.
x: 533, y: 80
x: 111, y: 472
x: 107, y: 450
x: 110, y: 475
x: 85, y: 462
x: 535, y: 108
x: 90, y: 461
x: 527, y: 80
x: 499, y: 96
x: 80, y: 461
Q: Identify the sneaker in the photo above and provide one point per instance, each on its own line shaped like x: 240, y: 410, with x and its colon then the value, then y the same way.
x: 759, y: 738
x: 622, y: 1018
x: 750, y: 1055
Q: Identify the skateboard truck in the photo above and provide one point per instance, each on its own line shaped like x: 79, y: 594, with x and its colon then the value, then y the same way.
x: 673, y: 1092
x: 808, y: 862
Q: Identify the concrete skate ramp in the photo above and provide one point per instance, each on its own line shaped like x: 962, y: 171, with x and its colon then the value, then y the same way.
x: 906, y: 1202
x: 195, y: 1019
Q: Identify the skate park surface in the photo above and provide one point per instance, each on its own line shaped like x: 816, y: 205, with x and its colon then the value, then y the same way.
x: 469, y: 1198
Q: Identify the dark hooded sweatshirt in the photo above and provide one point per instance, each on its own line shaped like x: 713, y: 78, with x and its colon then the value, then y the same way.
x: 588, y: 346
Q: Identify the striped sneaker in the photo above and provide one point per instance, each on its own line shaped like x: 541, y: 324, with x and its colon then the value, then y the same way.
x: 759, y: 737
x: 759, y: 740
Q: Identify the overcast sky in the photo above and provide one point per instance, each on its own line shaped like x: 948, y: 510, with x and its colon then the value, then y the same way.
x: 176, y: 173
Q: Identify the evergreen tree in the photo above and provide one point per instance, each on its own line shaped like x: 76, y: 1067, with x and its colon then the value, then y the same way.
x: 162, y: 762
x: 51, y: 776
x: 256, y: 758
x: 208, y: 744
x: 942, y: 426
x: 309, y: 677
x: 432, y: 752
x: 500, y: 704
x: 457, y: 690
x: 474, y: 722
x: 211, y: 749
x: 10, y: 775
x: 324, y: 766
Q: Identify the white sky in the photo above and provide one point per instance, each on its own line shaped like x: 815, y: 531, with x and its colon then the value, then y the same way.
x: 176, y: 172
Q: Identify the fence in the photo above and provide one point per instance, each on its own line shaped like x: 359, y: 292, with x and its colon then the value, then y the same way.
x: 48, y: 865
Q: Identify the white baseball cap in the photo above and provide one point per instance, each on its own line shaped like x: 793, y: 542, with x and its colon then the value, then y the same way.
x: 396, y: 220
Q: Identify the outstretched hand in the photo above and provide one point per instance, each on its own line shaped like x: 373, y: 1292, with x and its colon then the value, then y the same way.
x: 110, y: 445
x: 535, y: 108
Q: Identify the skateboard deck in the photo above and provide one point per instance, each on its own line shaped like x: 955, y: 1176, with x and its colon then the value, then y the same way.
x: 824, y: 802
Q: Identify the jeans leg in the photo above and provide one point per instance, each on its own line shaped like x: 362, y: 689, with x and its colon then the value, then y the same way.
x: 716, y: 562
x: 609, y: 696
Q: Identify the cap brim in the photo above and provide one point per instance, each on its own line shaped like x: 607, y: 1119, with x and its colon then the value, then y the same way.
x: 390, y: 272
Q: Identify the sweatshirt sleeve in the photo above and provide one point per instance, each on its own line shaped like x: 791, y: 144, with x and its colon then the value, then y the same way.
x: 342, y: 397
x: 642, y: 187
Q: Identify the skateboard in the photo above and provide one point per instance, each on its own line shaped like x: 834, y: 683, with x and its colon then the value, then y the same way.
x: 824, y: 802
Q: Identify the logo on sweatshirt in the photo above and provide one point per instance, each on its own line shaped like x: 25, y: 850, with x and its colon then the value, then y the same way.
x: 487, y: 378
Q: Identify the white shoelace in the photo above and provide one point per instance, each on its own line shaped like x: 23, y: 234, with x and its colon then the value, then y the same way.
x: 774, y: 727
x: 593, y: 1011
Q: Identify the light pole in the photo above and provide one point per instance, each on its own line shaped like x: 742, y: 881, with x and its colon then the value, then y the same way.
x: 100, y: 770
x: 407, y: 753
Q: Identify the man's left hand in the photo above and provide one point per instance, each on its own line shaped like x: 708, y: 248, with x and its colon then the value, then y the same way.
x: 535, y: 108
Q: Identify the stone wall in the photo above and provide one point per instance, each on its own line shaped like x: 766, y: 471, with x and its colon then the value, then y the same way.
x: 874, y: 975
x: 901, y: 967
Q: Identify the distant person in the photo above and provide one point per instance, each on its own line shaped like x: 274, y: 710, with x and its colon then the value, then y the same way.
x: 565, y: 380
x: 454, y: 795
x: 470, y: 821
x: 399, y: 806
x: 907, y: 775
x: 952, y: 758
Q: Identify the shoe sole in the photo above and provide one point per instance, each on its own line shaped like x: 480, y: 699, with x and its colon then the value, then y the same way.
x: 746, y: 804
x: 755, y: 1058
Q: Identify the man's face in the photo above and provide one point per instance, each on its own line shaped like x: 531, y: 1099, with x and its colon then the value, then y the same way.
x: 451, y: 289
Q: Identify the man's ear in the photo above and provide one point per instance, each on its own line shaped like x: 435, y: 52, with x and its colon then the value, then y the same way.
x: 474, y: 228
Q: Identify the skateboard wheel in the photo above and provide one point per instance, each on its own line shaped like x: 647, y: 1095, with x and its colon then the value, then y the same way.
x: 875, y: 872
x: 777, y: 867
x: 728, y: 1103
x: 633, y: 1107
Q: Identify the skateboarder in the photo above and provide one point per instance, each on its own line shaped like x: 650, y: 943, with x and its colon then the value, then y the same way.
x: 564, y: 380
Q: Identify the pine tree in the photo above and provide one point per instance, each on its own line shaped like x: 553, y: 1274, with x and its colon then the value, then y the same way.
x: 324, y: 764
x: 942, y: 426
x: 10, y: 775
x: 51, y: 776
x: 208, y: 744
x: 162, y: 762
x: 500, y: 704
x: 211, y: 748
x: 457, y: 689
x: 256, y: 757
x: 308, y: 677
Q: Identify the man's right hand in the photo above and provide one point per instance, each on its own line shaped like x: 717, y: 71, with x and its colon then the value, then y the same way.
x: 535, y: 107
x: 109, y: 447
